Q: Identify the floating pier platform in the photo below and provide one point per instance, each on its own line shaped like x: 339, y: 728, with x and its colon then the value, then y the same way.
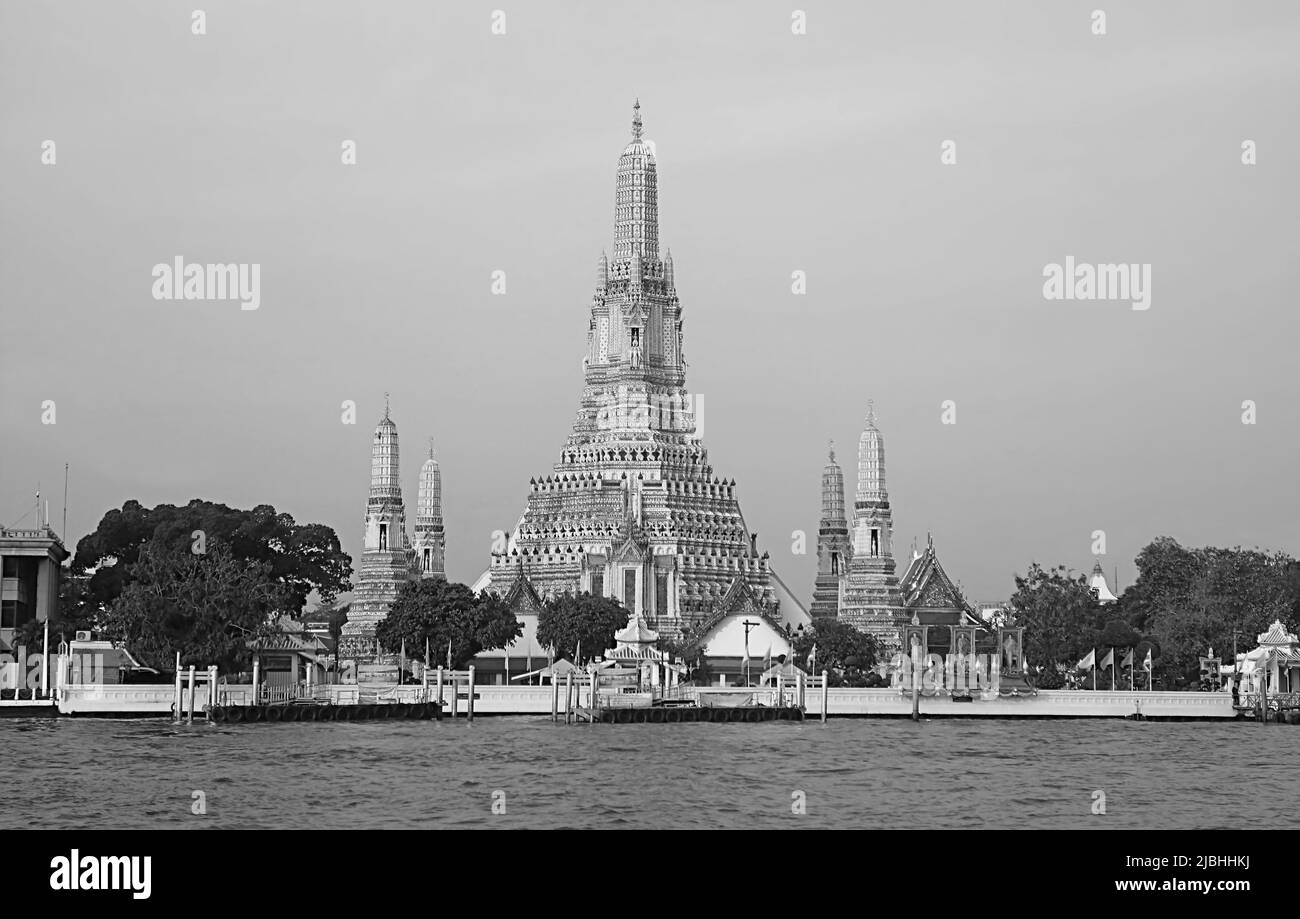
x: 295, y: 711
x: 675, y: 714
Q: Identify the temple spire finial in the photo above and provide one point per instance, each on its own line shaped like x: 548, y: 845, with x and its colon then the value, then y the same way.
x: 431, y: 456
x: 871, y: 413
x: 830, y: 449
x: 385, y: 403
x: 636, y: 119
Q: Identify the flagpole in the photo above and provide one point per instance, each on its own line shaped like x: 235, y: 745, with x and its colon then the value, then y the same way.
x: 1094, y: 669
x: 1112, y: 668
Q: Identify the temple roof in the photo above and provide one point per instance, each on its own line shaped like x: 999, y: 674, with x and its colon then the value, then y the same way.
x: 636, y: 632
x: 926, y: 584
x: 1097, y: 582
x: 1277, y: 635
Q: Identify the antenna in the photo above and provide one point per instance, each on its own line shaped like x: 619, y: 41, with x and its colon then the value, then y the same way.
x: 64, y: 532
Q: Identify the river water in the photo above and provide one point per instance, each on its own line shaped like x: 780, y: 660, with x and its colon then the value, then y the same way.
x: 90, y: 773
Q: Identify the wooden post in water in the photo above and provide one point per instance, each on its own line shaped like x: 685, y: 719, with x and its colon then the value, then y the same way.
x: 190, y: 718
x: 568, y: 697
x: 916, y: 681
x: 1263, y: 697
x: 256, y: 661
x: 212, y: 689
x: 826, y: 694
x: 440, y: 690
x: 780, y: 691
x: 469, y: 703
x: 555, y: 699
x: 594, y: 680
x: 180, y: 701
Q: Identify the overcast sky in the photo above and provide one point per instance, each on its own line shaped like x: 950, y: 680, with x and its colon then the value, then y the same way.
x: 821, y: 153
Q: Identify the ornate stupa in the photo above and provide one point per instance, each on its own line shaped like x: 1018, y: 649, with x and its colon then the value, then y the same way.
x: 834, y: 550
x: 429, y: 536
x: 633, y: 508
x: 386, y: 558
x: 871, y: 599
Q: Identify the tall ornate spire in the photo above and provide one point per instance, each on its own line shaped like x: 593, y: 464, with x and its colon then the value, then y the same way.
x: 385, y: 480
x: 386, y: 559
x: 871, y: 460
x: 429, y: 534
x: 833, y: 491
x: 636, y: 207
x: 834, y: 549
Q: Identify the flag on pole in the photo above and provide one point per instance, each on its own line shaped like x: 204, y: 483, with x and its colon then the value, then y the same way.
x: 812, y: 659
x: 1108, y: 660
x: 1128, y: 659
x: 767, y: 660
x: 448, y: 653
x: 401, y: 662
x: 1146, y: 664
x: 1088, y: 662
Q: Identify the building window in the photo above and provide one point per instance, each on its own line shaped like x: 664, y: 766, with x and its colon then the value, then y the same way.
x: 661, y: 592
x: 629, y: 588
x: 428, y: 559
x: 9, y: 614
x: 383, y: 537
x: 875, y: 543
x: 598, y: 583
x: 835, y: 563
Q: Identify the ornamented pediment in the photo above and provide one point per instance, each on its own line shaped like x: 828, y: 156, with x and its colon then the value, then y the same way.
x: 522, y: 597
x: 630, y: 551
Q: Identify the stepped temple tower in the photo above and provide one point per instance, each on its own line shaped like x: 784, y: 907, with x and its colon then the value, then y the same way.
x: 387, y: 559
x: 870, y: 597
x: 429, y: 537
x: 633, y: 508
x: 833, y: 547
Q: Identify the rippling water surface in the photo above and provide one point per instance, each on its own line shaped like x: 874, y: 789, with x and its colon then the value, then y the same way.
x: 853, y: 773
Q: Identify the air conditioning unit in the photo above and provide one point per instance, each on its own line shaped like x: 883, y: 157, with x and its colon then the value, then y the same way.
x: 83, y: 636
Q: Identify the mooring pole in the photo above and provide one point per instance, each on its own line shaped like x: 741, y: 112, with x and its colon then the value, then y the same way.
x: 440, y: 690
x: 469, y: 702
x: 190, y: 717
x: 176, y: 708
x: 916, y: 683
x: 256, y: 662
x: 568, y: 697
x: 455, y: 693
x: 555, y: 699
x: 826, y: 694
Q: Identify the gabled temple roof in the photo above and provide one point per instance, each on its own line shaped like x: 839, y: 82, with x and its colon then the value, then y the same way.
x: 926, y: 584
x: 1277, y: 635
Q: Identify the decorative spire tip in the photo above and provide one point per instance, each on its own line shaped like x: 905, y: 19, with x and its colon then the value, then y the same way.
x: 636, y: 119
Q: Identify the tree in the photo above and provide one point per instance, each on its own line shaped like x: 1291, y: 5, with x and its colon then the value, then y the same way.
x: 1189, y: 600
x: 1117, y: 634
x: 207, y: 607
x: 301, y: 557
x: 1059, y: 612
x: 569, y: 620
x: 441, y: 611
x: 846, y: 654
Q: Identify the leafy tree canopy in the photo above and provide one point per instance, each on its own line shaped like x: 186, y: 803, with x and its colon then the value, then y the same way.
x: 1059, y: 612
x: 207, y: 607
x: 443, y: 611
x: 301, y: 557
x: 569, y: 620
x: 845, y: 653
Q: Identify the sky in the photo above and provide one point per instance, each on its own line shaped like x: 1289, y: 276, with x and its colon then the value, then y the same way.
x: 778, y: 152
